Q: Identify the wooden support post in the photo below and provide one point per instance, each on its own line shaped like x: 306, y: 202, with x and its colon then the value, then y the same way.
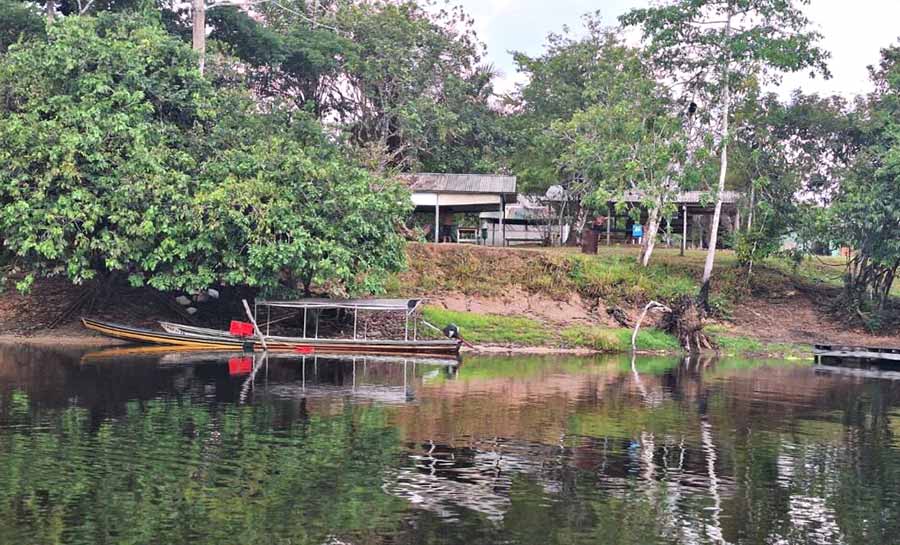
x: 609, y: 219
x: 502, y: 223
x: 684, y: 229
x: 437, y: 218
x: 262, y: 339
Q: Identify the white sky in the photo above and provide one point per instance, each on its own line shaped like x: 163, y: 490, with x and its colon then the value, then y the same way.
x: 854, y: 32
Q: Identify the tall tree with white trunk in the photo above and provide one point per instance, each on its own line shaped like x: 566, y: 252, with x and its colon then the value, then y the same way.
x: 631, y: 141
x: 710, y: 47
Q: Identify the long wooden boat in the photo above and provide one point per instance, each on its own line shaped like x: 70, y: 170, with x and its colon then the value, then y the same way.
x: 221, y: 340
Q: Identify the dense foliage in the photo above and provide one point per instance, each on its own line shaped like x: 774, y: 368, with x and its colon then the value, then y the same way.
x: 403, y: 82
x: 120, y: 158
x: 865, y: 212
x: 629, y: 141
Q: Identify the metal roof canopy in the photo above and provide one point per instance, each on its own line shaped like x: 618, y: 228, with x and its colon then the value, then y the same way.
x: 428, y: 182
x: 405, y: 305
x: 687, y: 197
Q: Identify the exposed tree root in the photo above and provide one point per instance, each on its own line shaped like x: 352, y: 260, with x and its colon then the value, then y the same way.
x: 85, y: 300
x: 685, y: 322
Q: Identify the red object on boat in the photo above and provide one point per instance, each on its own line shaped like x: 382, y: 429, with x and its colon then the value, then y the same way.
x: 303, y: 349
x: 240, y: 329
x: 240, y: 366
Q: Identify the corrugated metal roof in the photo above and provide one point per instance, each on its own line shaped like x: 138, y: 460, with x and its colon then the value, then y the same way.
x: 460, y: 183
x: 360, y: 304
x: 690, y: 197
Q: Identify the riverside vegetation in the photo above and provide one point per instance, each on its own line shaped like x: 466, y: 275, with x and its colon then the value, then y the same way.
x: 265, y: 160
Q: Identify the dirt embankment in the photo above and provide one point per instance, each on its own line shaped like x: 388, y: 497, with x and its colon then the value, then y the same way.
x: 774, y: 307
x: 551, y: 286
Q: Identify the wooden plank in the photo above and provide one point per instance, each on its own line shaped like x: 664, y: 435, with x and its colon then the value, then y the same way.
x: 858, y: 354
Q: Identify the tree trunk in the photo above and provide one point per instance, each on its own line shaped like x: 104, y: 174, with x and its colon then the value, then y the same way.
x: 752, y: 207
x: 650, y: 236
x: 685, y: 322
x: 50, y: 10
x: 723, y: 169
x: 199, y: 33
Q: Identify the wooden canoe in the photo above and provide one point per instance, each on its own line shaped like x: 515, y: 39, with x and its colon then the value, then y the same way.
x: 224, y: 341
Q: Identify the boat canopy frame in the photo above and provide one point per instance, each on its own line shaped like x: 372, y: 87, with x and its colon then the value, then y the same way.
x: 408, y: 306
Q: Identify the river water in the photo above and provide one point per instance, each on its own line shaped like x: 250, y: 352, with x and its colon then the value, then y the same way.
x: 139, y: 448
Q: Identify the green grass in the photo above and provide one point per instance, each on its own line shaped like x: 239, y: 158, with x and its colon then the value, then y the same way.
x: 734, y: 345
x: 595, y: 338
x: 521, y: 331
x: 617, y: 278
x: 490, y: 328
x: 493, y: 329
x: 606, y: 339
x: 613, y: 277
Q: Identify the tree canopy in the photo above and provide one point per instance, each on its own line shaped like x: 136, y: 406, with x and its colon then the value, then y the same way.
x: 710, y: 44
x: 120, y: 158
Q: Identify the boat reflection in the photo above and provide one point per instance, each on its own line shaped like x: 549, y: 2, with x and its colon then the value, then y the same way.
x: 383, y: 379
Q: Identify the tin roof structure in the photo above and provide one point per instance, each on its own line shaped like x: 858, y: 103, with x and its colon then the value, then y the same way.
x: 461, y: 183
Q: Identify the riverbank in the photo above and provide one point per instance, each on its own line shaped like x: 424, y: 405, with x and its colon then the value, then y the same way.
x: 529, y: 301
x: 561, y: 298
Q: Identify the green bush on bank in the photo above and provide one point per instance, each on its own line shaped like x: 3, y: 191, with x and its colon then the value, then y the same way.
x: 119, y: 158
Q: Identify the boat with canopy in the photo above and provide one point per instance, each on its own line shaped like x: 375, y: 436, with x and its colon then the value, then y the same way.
x: 308, y: 312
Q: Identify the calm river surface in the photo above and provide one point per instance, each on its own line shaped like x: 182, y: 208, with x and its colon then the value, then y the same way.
x: 172, y: 449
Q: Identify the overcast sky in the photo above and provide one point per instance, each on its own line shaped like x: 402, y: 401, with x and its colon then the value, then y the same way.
x: 854, y: 31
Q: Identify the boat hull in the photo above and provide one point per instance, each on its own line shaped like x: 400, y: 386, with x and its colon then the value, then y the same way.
x: 224, y: 341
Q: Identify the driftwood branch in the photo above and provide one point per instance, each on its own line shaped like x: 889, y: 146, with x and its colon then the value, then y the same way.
x: 652, y: 305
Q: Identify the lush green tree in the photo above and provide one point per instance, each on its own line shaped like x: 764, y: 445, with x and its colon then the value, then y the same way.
x: 789, y: 155
x: 710, y: 45
x: 286, y: 55
x: 865, y: 212
x: 402, y: 82
x: 272, y: 214
x: 557, y: 84
x: 18, y: 21
x: 628, y: 141
x: 95, y: 154
x: 413, y: 72
x: 120, y: 158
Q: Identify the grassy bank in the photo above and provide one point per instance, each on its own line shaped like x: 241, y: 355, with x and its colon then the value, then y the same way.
x: 737, y: 345
x: 613, y: 275
x: 544, y: 296
x: 522, y: 331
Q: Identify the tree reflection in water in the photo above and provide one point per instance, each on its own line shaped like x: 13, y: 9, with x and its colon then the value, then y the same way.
x: 518, y: 450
